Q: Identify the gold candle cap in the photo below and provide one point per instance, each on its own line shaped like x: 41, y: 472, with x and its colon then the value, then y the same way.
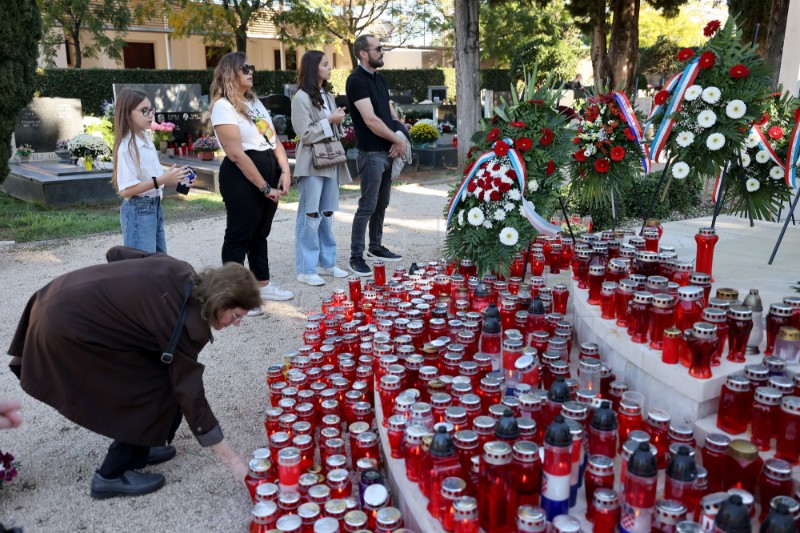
x: 788, y: 333
x: 726, y: 293
x: 743, y: 449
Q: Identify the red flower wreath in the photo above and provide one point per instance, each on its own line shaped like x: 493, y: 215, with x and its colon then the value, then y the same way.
x: 579, y: 156
x: 763, y: 120
x: 661, y: 97
x: 707, y: 60
x: 517, y: 124
x: 711, y: 28
x: 500, y: 148
x: 739, y: 71
x: 685, y: 54
x: 629, y: 134
x: 775, y: 132
x: 602, y: 165
x: 618, y: 153
x: 494, y: 133
x: 551, y: 167
x: 547, y: 137
x: 523, y: 144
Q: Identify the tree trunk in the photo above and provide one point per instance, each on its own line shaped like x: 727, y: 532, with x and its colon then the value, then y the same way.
x: 624, y: 49
x: 76, y: 45
x: 598, y: 50
x: 241, y: 39
x: 468, y: 76
x: 773, y: 51
x: 352, y: 54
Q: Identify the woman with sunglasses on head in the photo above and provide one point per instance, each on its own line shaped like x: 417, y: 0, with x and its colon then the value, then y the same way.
x: 138, y: 175
x: 316, y: 118
x: 114, y: 348
x: 254, y: 174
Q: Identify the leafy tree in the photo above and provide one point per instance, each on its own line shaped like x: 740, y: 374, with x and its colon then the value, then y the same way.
x: 553, y: 54
x: 614, y: 64
x: 76, y: 18
x: 686, y: 28
x: 311, y: 20
x: 659, y: 58
x: 220, y: 22
x: 510, y: 29
x: 20, y: 31
x: 770, y: 16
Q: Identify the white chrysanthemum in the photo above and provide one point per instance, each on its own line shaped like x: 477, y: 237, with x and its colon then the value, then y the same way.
x: 475, y: 216
x: 590, y: 150
x: 533, y: 185
x: 711, y: 95
x: 752, y: 140
x: 487, y: 224
x: 707, y: 118
x: 509, y: 236
x: 508, y: 206
x: 776, y: 173
x: 745, y: 160
x: 762, y: 156
x: 735, y: 109
x: 460, y: 218
x: 499, y: 215
x: 505, y: 179
x: 752, y: 185
x: 685, y: 138
x: 514, y: 194
x: 680, y: 170
x: 715, y: 141
x: 693, y: 92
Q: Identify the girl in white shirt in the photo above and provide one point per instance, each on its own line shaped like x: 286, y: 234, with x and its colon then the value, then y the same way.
x: 138, y: 175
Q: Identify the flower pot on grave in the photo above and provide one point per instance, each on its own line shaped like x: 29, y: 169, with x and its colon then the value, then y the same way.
x: 206, y: 156
x: 63, y: 155
x: 446, y: 139
x: 163, y: 146
x: 88, y: 162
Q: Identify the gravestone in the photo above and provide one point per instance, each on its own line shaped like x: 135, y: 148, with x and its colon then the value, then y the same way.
x: 46, y: 120
x: 181, y: 104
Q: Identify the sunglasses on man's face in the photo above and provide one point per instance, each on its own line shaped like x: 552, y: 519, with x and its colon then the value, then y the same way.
x: 247, y: 69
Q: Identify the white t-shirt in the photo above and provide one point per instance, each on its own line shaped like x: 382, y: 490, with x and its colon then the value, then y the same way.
x: 129, y: 174
x: 254, y: 130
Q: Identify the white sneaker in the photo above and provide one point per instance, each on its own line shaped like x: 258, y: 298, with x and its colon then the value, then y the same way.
x: 310, y: 279
x: 256, y: 311
x: 334, y: 271
x: 273, y: 292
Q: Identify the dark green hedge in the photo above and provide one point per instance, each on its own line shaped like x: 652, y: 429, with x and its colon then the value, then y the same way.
x: 93, y: 86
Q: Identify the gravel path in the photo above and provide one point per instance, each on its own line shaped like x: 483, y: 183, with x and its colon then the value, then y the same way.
x: 57, y: 458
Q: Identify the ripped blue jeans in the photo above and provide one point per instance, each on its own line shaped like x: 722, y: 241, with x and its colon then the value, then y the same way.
x: 314, y: 240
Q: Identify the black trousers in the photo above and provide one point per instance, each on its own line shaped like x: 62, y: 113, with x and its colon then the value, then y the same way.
x: 121, y: 457
x: 249, y: 213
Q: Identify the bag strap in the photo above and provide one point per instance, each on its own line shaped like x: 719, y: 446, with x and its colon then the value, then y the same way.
x: 167, y: 356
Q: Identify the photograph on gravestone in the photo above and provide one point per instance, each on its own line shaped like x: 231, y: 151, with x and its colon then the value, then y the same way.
x: 187, y: 123
x: 168, y: 97
x: 46, y: 120
x: 280, y: 109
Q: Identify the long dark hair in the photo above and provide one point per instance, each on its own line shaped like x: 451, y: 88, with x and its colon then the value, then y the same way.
x: 308, y: 76
x: 126, y: 102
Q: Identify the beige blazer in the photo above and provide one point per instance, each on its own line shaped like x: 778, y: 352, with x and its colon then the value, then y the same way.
x: 312, y: 126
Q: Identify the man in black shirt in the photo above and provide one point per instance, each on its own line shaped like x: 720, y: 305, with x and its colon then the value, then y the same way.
x: 378, y: 144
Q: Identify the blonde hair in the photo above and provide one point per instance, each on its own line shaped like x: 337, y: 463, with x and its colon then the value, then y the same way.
x: 226, y: 83
x: 126, y: 102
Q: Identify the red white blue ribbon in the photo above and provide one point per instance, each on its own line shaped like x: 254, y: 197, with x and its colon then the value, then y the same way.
x: 763, y: 144
x: 671, y: 83
x: 664, y: 130
x: 537, y: 221
x: 514, y: 158
x: 790, y: 174
x: 717, y: 187
x: 635, y: 128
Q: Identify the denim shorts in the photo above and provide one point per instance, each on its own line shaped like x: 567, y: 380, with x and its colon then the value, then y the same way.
x: 142, y: 222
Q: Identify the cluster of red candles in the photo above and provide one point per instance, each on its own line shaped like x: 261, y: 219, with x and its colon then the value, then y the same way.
x: 478, y: 398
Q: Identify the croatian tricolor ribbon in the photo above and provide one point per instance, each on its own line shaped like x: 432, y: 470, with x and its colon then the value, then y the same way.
x: 671, y: 83
x: 717, y: 187
x: 537, y: 221
x: 790, y: 175
x: 763, y: 144
x: 635, y: 128
x: 687, y: 79
x: 515, y: 160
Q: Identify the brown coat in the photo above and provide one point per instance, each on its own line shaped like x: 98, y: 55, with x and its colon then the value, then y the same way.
x: 90, y: 343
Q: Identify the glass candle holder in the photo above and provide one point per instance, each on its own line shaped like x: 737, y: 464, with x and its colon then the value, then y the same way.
x: 465, y: 515
x: 639, y: 316
x: 774, y: 480
x: 744, y: 466
x: 606, y: 511
x: 765, y: 409
x: 661, y: 317
x: 624, y: 296
x: 595, y: 280
x: 702, y: 342
x: 734, y: 405
x: 740, y: 323
x: 779, y: 315
x: 671, y: 345
x: 706, y: 240
x: 608, y: 307
x: 787, y: 445
x: 599, y: 475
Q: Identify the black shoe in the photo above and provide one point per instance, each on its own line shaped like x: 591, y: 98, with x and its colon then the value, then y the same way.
x: 160, y: 454
x: 384, y: 254
x: 130, y: 483
x: 360, y: 267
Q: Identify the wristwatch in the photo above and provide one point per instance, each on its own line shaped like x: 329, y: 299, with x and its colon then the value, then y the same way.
x: 265, y: 190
